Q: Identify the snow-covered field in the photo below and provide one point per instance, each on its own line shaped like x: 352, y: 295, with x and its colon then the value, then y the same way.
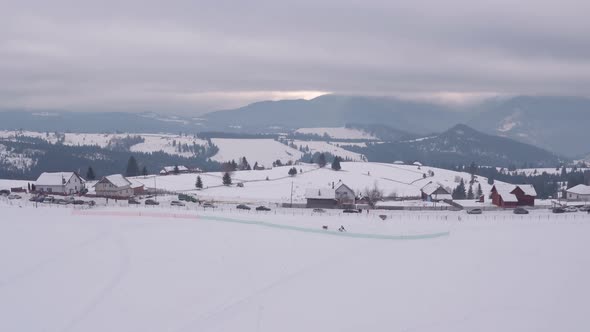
x: 113, y: 269
x: 337, y: 133
x: 152, y: 142
x: 332, y: 148
x: 539, y: 171
x: 263, y: 151
x: 398, y: 180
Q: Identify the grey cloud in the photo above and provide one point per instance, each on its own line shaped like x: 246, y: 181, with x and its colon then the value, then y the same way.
x: 203, y: 55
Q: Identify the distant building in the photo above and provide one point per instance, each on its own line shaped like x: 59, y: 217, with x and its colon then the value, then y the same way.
x: 344, y: 195
x: 580, y: 192
x: 167, y: 170
x: 340, y: 195
x: 324, y: 198
x: 510, y: 196
x: 138, y: 187
x: 398, y: 162
x: 65, y: 183
x: 115, y: 185
x: 435, y: 192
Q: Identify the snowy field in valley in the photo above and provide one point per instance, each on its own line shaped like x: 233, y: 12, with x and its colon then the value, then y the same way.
x: 399, y: 180
x: 330, y: 147
x: 337, y: 133
x: 263, y: 151
x: 162, y: 269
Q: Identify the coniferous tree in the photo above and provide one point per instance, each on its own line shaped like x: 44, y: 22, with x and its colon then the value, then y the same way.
x: 176, y: 170
x: 470, y: 192
x: 90, y: 174
x: 226, y: 179
x: 479, y: 191
x: 199, y: 183
x: 292, y: 171
x: 459, y: 192
x: 144, y: 171
x: 322, y: 160
x: 336, y: 164
x: 132, y: 168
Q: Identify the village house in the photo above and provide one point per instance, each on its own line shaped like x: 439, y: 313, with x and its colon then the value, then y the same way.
x: 65, y: 183
x: 138, y: 187
x: 167, y: 170
x: 340, y: 195
x: 344, y: 195
x: 511, y: 196
x: 323, y: 198
x: 435, y: 192
x: 116, y: 186
x: 580, y: 192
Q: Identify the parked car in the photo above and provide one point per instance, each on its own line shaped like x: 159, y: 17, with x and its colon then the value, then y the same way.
x: 151, y: 202
x: 48, y: 199
x: 78, y: 202
x: 177, y: 203
x: 570, y: 209
x: 37, y: 198
x: 243, y: 207
x: 520, y: 210
x: 133, y: 201
x: 187, y: 198
x: 351, y: 211
x: 558, y: 210
x: 208, y: 205
x: 319, y: 210
x: 475, y: 211
x: 585, y: 208
x: 61, y: 201
x: 14, y: 196
x: 262, y: 208
x: 4, y: 192
x: 90, y: 203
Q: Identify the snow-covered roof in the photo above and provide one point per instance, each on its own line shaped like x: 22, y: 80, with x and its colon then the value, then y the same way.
x: 580, y: 189
x: 431, y: 187
x: 528, y: 189
x: 398, y: 162
x: 117, y: 180
x: 320, y: 193
x: 135, y: 183
x: 506, y: 193
x: 54, y: 179
x: 170, y: 169
x: 417, y: 163
x: 341, y: 184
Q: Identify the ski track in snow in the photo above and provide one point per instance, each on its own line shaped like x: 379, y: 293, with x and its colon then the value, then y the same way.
x: 111, y: 284
x: 219, y: 315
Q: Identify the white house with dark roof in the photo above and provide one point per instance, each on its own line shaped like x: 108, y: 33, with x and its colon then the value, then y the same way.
x: 435, y: 192
x: 65, y: 183
x: 580, y: 192
x: 115, y: 185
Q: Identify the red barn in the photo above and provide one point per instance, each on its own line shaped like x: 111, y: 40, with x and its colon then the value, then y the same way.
x: 511, y: 196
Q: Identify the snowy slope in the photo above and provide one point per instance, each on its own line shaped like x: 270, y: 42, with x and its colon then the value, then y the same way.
x: 263, y: 151
x: 152, y: 142
x: 399, y: 180
x: 330, y: 147
x: 181, y: 271
x: 337, y: 133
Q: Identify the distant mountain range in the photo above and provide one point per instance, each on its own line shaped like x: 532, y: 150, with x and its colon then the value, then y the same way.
x: 558, y: 124
x: 461, y: 145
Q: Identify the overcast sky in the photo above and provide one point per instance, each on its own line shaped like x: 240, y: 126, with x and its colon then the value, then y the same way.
x: 206, y: 55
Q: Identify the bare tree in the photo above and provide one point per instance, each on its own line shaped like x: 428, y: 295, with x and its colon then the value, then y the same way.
x: 373, y: 195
